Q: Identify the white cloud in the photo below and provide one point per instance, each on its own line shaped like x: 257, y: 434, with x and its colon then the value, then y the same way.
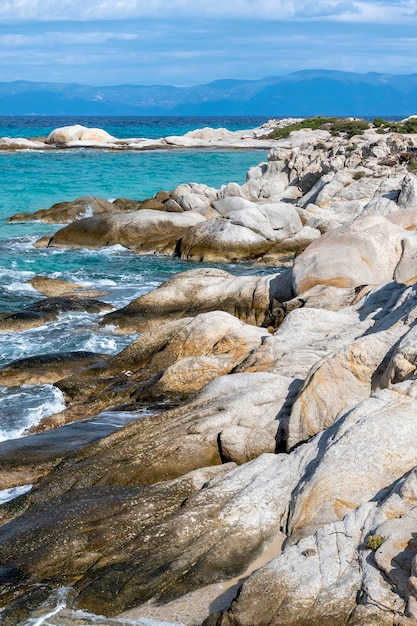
x: 326, y: 9
x: 382, y: 11
x: 53, y: 38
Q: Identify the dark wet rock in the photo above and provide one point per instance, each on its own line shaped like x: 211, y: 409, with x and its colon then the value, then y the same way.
x: 47, y: 310
x: 243, y: 408
x: 48, y: 368
x: 26, y: 460
x: 18, y: 611
x: 85, y: 539
x: 55, y: 287
x: 64, y: 212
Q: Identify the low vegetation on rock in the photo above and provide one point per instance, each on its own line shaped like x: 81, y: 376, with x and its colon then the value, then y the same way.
x: 346, y: 127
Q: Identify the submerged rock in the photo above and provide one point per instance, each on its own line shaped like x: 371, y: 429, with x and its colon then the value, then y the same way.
x: 55, y: 287
x: 47, y: 310
x: 64, y: 212
x: 47, y: 368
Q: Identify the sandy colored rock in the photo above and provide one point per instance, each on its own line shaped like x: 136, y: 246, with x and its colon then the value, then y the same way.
x: 406, y: 272
x: 365, y: 429
x: 254, y: 300
x: 380, y: 355
x: 78, y: 133
x: 314, y: 582
x: 142, y: 231
x: 168, y: 363
x: 246, y: 231
x: 65, y: 212
x: 364, y: 253
x: 55, y: 287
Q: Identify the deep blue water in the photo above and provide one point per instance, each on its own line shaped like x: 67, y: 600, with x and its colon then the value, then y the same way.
x: 151, y: 127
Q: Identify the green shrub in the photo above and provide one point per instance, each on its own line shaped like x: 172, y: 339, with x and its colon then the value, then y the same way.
x: 412, y: 165
x: 374, y: 542
x: 358, y: 175
x: 347, y: 127
x: 335, y: 126
x: 312, y: 122
x: 403, y: 128
x: 378, y: 122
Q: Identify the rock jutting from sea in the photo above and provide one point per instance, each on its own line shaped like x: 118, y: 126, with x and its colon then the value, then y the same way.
x: 276, y: 480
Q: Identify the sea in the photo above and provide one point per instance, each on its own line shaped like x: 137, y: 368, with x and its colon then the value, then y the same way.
x: 36, y: 179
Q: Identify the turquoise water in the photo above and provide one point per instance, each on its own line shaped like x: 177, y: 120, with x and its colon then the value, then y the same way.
x: 31, y: 180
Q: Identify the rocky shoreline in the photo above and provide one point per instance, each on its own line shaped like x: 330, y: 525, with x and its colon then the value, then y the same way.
x: 77, y: 136
x: 280, y: 457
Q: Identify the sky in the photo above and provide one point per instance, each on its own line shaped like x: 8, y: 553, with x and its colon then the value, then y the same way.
x: 190, y: 42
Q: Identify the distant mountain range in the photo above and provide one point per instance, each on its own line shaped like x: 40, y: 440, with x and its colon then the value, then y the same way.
x: 300, y: 94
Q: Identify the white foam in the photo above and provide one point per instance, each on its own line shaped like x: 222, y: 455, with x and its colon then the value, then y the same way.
x: 59, y: 599
x: 87, y: 213
x: 10, y: 494
x: 101, y: 343
x: 15, y: 274
x: 116, y: 249
x: 25, y: 407
x: 21, y: 288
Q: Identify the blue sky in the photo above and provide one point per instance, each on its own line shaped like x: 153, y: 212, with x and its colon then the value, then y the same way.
x: 187, y: 42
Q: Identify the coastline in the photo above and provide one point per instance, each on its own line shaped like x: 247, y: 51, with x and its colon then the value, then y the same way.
x: 78, y: 136
x: 281, y: 389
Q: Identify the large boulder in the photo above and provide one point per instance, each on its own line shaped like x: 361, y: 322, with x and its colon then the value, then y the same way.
x: 142, y: 231
x: 255, y: 299
x: 246, y: 231
x: 379, y: 354
x: 365, y: 252
x: 77, y: 133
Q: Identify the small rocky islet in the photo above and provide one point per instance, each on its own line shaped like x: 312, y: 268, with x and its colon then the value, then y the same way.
x: 280, y: 455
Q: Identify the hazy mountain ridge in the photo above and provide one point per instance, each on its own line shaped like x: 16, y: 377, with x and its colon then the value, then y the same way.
x: 303, y: 93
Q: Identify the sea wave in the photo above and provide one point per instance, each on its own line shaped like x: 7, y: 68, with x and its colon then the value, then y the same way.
x: 54, y: 612
x: 14, y: 492
x: 35, y: 402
